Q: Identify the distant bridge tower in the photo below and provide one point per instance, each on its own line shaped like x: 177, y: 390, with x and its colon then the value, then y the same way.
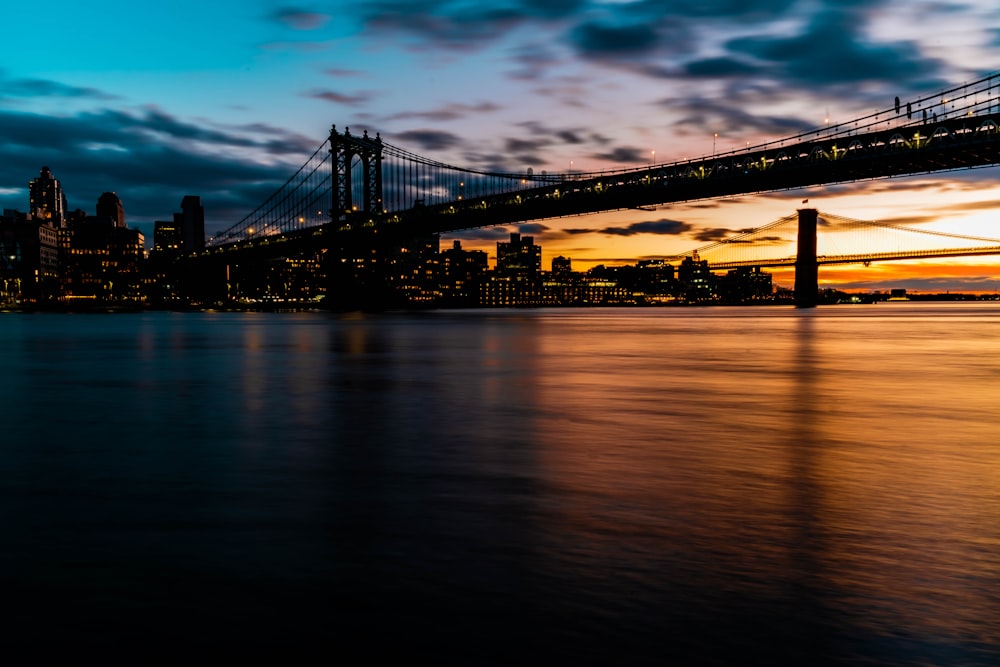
x: 806, y: 265
x: 343, y: 149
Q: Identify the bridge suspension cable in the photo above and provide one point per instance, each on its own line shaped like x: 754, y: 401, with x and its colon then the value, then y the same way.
x: 840, y: 240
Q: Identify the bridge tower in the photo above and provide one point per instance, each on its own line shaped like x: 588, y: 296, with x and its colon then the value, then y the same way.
x: 343, y: 149
x: 806, y: 265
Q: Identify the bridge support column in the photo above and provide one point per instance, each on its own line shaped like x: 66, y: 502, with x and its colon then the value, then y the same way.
x: 806, y: 266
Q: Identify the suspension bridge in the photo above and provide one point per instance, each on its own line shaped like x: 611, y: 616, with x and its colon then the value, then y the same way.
x: 356, y: 193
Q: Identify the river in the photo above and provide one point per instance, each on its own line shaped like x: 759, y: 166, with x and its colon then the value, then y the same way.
x: 609, y: 486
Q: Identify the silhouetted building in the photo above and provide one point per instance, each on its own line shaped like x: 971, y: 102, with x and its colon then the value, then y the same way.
x: 519, y: 257
x: 462, y: 274
x: 102, y: 261
x: 746, y: 285
x: 562, y: 268
x: 167, y: 237
x: 47, y: 201
x: 697, y: 283
x: 413, y: 272
x: 191, y: 223
x: 29, y: 259
x: 110, y: 207
x: 517, y: 280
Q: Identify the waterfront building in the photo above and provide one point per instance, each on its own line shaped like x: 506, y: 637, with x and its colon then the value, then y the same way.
x: 518, y: 276
x: 697, y: 283
x: 46, y: 199
x: 519, y: 257
x: 29, y: 259
x: 746, y: 285
x: 102, y: 259
x: 413, y: 272
x: 462, y: 274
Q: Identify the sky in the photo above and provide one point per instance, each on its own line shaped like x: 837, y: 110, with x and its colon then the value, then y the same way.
x: 225, y: 99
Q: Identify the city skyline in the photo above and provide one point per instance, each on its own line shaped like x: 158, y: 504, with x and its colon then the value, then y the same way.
x: 168, y: 105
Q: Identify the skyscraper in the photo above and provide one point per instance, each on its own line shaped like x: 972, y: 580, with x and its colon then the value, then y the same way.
x: 46, y: 198
x: 191, y: 223
x: 519, y: 257
x: 109, y: 207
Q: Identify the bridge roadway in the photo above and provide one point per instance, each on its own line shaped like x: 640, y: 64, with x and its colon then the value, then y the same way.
x: 819, y: 158
x: 853, y: 259
x: 965, y: 142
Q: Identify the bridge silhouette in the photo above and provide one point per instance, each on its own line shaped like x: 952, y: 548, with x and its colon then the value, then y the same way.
x: 358, y: 195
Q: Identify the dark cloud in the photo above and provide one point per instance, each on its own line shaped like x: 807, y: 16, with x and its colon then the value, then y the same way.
x: 566, y: 135
x: 447, y: 113
x: 662, y: 227
x: 354, y: 100
x: 720, y: 68
x: 570, y: 136
x: 729, y: 117
x: 518, y: 145
x: 463, y: 25
x: 533, y: 228
x: 533, y: 61
x: 624, y: 154
x: 483, y: 234
x: 432, y: 140
x: 833, y: 49
x: 593, y: 39
x: 712, y: 234
x: 300, y: 19
x: 340, y: 72
x: 151, y: 159
x: 33, y: 88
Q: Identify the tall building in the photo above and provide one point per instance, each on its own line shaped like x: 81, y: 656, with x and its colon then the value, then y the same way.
x: 109, y: 207
x: 562, y: 268
x: 517, y: 280
x: 29, y: 259
x: 191, y: 223
x: 697, y: 282
x: 46, y: 199
x: 462, y: 272
x: 519, y: 257
x: 166, y: 237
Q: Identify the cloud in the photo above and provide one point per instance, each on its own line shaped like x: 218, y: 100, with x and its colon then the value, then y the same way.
x: 533, y: 228
x: 593, y: 39
x: 483, y: 234
x: 151, y: 159
x: 341, y: 72
x: 35, y: 88
x: 432, y: 140
x: 661, y: 227
x: 833, y: 49
x: 624, y: 154
x: 299, y: 19
x: 448, y: 112
x: 461, y: 25
x: 720, y: 67
x: 733, y: 115
x: 712, y: 234
x: 340, y: 98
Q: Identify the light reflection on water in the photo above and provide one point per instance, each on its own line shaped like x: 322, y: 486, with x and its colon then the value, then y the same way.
x: 701, y: 486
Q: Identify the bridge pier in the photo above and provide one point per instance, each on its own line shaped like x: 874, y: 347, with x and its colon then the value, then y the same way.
x: 806, y: 265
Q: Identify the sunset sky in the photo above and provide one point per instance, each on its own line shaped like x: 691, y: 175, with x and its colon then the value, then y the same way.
x: 226, y: 98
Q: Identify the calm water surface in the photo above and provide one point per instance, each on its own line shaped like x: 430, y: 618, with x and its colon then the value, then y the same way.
x: 651, y: 486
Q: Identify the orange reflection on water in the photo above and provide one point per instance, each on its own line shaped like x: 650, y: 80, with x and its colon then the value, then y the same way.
x: 839, y: 451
